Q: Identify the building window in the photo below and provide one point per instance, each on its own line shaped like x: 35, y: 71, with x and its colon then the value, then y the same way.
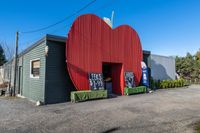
x: 35, y: 68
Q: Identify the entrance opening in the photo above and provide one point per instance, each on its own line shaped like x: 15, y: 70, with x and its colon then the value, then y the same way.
x: 19, y: 80
x: 113, y: 78
x: 107, y: 76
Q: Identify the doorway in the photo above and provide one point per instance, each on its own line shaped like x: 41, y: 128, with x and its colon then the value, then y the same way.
x: 19, y: 91
x: 113, y: 77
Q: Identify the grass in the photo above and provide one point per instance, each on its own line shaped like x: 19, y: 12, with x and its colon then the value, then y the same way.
x: 197, y: 127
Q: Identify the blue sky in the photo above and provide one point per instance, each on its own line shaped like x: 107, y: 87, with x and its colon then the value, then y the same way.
x: 165, y: 27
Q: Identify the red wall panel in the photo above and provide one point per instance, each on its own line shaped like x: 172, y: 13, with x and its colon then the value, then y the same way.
x: 91, y: 41
x: 117, y: 78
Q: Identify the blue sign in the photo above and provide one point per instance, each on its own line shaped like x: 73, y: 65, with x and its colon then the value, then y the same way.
x: 145, y: 77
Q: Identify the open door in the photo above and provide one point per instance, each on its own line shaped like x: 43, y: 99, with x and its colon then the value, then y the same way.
x: 118, y: 78
x: 19, y: 91
x: 107, y: 77
x: 113, y: 78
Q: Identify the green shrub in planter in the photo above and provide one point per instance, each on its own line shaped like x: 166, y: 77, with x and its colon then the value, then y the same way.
x: 152, y: 84
x: 176, y: 83
x: 77, y: 96
x: 135, y: 90
x: 182, y: 82
x: 164, y: 84
x: 158, y: 84
x: 170, y: 83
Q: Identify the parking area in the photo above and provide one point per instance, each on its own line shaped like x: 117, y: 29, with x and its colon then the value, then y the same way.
x: 170, y: 110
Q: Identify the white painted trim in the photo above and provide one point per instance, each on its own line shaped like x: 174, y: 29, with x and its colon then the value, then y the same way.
x: 31, y: 75
x: 19, y: 95
x: 32, y: 101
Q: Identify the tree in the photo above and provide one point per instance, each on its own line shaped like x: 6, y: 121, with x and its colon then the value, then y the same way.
x: 2, y: 56
x: 188, y: 67
x: 8, y: 50
x: 197, y: 64
x: 197, y: 55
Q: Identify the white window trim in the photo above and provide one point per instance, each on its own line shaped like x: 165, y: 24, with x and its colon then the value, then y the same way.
x: 31, y: 75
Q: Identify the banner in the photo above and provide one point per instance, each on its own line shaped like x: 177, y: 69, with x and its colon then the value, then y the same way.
x: 145, y: 75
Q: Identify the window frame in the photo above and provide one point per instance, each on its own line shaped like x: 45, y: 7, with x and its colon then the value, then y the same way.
x: 31, y: 75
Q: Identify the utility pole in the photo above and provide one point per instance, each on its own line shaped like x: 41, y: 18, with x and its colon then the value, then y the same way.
x: 16, y: 62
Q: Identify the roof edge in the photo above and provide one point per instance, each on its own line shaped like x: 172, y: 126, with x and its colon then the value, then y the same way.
x: 47, y: 37
x: 50, y: 37
x: 32, y: 46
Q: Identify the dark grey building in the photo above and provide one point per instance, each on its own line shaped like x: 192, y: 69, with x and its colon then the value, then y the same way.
x: 42, y: 72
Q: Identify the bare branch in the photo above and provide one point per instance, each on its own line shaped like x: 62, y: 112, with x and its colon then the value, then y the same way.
x: 9, y: 50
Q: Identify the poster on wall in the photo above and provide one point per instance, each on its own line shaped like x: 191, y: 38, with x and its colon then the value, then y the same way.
x: 129, y: 79
x: 96, y: 81
x: 145, y: 80
x: 145, y: 74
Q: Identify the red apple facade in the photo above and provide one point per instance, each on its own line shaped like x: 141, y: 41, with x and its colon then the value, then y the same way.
x: 92, y: 43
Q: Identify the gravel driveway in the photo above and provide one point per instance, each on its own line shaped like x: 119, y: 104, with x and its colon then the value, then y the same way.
x: 173, y: 110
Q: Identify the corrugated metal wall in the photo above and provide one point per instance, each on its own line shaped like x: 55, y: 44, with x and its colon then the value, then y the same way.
x: 162, y: 67
x: 58, y: 83
x: 91, y: 41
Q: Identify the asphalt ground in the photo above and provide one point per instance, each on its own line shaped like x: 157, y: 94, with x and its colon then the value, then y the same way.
x: 167, y: 110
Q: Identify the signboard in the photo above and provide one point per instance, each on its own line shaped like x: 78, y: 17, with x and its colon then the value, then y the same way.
x: 145, y: 75
x: 145, y: 80
x: 129, y: 79
x: 96, y: 81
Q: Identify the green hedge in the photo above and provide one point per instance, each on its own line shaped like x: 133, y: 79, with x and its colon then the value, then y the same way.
x: 77, y: 96
x: 135, y: 90
x: 167, y: 84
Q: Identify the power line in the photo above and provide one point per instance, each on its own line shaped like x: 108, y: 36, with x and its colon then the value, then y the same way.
x: 52, y: 25
x: 104, y: 6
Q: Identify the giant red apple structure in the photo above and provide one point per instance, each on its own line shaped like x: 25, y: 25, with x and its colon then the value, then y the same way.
x: 91, y: 42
